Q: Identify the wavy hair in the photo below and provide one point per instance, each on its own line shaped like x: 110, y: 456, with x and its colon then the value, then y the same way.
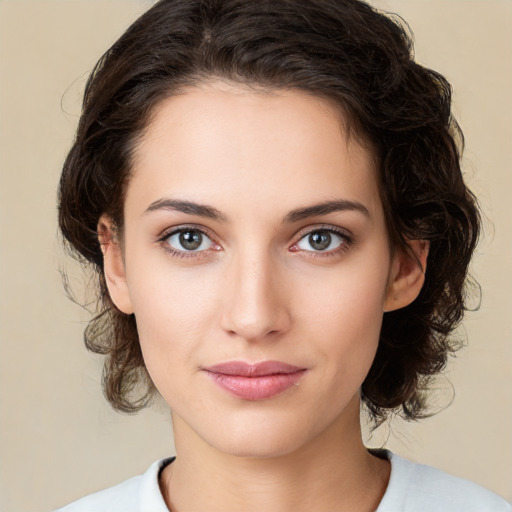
x: 344, y: 50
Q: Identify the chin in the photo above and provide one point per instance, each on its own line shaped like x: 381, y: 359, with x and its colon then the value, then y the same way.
x: 263, y: 448
x: 258, y: 438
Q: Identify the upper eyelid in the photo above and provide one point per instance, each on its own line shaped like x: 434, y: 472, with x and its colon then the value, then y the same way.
x: 302, y: 231
x: 166, y: 233
x: 323, y: 227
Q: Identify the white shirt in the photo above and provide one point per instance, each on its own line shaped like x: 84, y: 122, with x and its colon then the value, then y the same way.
x: 412, y: 488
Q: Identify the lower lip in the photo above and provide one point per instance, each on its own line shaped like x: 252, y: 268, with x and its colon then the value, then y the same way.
x: 256, y: 388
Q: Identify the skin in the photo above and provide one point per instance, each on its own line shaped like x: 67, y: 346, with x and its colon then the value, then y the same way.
x: 257, y: 289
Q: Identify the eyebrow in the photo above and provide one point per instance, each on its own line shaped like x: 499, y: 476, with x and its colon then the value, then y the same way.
x: 338, y: 205
x: 189, y: 207
x: 210, y: 212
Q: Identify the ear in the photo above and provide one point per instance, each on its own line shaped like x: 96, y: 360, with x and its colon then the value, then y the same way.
x: 407, y: 275
x: 113, y: 266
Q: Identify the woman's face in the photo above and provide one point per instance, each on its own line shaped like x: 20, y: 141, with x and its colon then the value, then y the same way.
x: 254, y: 233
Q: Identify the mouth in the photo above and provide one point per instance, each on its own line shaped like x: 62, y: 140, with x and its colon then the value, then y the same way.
x: 255, y: 381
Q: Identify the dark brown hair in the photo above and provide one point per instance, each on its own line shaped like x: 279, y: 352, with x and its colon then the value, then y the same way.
x: 343, y: 50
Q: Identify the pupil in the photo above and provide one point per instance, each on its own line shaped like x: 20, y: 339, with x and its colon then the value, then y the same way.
x: 320, y: 240
x: 190, y: 240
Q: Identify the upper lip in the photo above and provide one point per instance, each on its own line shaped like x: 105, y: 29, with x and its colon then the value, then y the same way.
x: 244, y: 369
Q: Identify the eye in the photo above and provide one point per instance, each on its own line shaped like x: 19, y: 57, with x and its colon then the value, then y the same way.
x: 322, y: 240
x: 189, y: 240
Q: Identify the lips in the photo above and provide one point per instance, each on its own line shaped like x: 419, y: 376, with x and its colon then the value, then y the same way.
x: 258, y: 381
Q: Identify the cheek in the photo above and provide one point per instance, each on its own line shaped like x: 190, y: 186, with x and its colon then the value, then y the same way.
x: 344, y: 315
x: 347, y: 297
x: 174, y: 311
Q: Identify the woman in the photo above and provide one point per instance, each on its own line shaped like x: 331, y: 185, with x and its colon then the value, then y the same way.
x: 271, y: 195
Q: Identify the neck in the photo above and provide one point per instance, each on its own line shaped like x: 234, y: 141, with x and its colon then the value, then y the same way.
x: 333, y: 472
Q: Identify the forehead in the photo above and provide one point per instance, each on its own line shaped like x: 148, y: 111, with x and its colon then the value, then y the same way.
x: 227, y: 143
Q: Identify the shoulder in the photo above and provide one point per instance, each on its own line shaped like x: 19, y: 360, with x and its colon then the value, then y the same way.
x: 419, y: 488
x: 138, y: 494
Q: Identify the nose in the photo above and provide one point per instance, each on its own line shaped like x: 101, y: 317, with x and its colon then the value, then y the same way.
x: 255, y: 308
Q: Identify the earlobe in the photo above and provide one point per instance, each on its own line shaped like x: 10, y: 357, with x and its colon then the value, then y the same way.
x: 407, y: 275
x: 113, y: 266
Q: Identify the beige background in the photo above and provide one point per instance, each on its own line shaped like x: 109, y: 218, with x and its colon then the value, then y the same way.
x: 58, y: 438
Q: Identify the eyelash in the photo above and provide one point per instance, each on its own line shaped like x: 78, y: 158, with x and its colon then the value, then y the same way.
x: 346, y: 241
x: 183, y: 229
